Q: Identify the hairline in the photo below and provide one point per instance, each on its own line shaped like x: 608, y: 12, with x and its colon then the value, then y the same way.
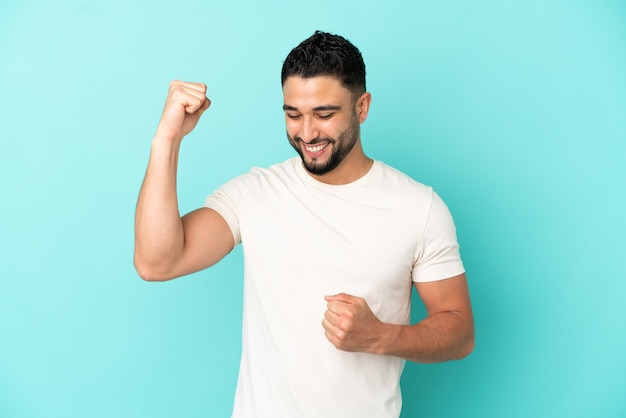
x: 355, y: 92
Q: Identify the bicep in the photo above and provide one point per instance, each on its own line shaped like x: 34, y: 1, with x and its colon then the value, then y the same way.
x: 207, y: 240
x: 447, y: 295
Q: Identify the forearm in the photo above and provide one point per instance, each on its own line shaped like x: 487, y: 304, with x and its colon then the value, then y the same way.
x: 439, y: 337
x: 159, y: 236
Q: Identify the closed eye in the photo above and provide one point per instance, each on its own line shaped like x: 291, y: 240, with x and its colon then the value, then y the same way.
x: 326, y: 116
x: 292, y: 116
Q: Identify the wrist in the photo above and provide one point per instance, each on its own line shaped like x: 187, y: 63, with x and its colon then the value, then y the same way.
x: 164, y: 151
x: 164, y: 145
x: 166, y: 140
x: 387, y: 339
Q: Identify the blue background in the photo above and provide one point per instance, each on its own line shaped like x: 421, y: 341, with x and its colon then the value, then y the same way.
x: 514, y: 111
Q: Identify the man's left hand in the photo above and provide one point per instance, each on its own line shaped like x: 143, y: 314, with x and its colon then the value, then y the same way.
x: 350, y: 324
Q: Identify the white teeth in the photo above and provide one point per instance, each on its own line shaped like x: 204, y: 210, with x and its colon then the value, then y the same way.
x: 315, y: 148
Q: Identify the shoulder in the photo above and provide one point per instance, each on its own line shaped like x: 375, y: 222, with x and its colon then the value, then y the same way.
x: 285, y: 169
x: 260, y: 181
x: 396, y: 181
x: 413, y: 195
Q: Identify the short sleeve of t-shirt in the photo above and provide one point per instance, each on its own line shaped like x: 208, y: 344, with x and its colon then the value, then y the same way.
x: 438, y: 257
x: 220, y: 202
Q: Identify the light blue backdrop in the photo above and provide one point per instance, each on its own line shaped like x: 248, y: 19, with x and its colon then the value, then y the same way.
x: 514, y: 111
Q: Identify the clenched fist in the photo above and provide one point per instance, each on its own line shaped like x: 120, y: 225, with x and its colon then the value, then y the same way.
x: 350, y: 324
x: 184, y: 105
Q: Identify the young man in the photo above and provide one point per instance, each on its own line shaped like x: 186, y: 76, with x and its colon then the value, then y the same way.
x: 330, y: 237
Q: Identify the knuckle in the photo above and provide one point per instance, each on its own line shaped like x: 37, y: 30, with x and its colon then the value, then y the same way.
x: 340, y: 335
x: 345, y: 326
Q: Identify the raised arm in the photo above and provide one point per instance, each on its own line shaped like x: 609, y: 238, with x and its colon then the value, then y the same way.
x: 166, y: 245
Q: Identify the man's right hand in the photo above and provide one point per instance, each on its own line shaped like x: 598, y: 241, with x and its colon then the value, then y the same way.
x: 184, y: 105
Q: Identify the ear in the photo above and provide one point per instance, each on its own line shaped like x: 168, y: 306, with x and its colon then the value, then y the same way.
x: 363, y: 106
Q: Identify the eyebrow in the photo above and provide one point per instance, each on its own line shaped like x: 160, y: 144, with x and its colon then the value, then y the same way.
x: 315, y: 109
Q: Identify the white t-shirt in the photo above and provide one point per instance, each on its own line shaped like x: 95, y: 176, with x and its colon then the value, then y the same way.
x: 302, y: 240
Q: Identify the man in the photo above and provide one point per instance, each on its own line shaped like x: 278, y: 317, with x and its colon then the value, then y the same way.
x: 330, y: 236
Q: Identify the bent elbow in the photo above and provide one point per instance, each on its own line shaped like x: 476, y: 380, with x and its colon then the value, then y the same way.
x: 149, y: 276
x: 466, y: 349
x: 147, y: 272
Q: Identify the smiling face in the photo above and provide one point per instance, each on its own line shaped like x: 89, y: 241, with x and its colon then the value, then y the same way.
x: 323, y: 126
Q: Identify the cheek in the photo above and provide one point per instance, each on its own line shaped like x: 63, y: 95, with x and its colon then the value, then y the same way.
x: 291, y: 127
x: 334, y: 130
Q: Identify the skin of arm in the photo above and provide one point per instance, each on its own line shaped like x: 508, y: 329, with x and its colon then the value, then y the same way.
x: 166, y: 245
x: 447, y: 333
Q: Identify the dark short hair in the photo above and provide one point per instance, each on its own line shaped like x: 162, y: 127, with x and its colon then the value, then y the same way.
x: 327, y: 54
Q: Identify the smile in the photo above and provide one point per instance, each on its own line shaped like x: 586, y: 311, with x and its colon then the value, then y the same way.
x: 314, y: 149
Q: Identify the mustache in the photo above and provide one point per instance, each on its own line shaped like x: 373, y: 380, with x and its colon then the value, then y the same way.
x: 313, y: 142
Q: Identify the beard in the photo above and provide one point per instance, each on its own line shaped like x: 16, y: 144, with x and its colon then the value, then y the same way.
x: 341, y: 147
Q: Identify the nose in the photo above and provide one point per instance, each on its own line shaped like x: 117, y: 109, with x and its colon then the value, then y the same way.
x: 309, y: 130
